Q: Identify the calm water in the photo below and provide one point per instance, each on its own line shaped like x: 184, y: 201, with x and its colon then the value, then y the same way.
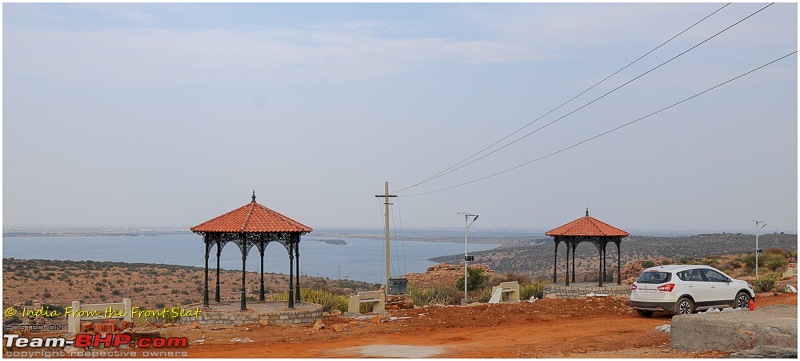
x: 360, y: 259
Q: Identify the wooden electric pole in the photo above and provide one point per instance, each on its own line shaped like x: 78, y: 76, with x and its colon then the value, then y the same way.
x: 386, y: 196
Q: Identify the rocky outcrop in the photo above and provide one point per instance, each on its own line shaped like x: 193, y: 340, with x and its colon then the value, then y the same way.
x: 443, y: 273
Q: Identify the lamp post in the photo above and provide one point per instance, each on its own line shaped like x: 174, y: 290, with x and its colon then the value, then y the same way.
x: 763, y: 224
x: 467, y: 258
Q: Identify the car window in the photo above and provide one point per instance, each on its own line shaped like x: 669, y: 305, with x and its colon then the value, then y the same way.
x: 714, y: 276
x: 654, y: 277
x: 690, y: 275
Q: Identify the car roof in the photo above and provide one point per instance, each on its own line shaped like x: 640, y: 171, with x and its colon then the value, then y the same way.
x: 676, y: 267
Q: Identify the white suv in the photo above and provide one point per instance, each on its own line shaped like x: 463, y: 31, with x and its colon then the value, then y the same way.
x: 684, y: 289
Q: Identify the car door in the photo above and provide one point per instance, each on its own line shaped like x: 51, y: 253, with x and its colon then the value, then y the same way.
x: 720, y: 290
x: 695, y: 287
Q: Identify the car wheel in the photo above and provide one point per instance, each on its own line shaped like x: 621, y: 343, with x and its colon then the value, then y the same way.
x: 685, y: 306
x: 742, y: 300
x: 644, y: 313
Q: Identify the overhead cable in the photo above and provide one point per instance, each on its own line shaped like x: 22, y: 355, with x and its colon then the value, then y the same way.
x: 462, y: 163
x: 606, y: 132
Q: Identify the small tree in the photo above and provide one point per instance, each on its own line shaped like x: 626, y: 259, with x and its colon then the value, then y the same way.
x: 476, y: 279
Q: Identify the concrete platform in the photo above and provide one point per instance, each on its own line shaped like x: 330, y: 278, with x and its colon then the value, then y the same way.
x: 768, y: 327
x: 230, y: 313
x: 581, y: 289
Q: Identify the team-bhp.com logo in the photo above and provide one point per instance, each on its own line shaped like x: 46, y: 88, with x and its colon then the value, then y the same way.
x: 86, y: 341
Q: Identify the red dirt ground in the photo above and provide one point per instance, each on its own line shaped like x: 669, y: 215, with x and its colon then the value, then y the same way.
x: 593, y: 328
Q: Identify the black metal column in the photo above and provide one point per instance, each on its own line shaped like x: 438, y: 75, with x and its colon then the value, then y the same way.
x: 296, y: 237
x: 566, y: 279
x: 574, y: 246
x: 600, y: 265
x: 219, y: 253
x: 244, y: 264
x: 205, y: 285
x: 261, y: 290
x: 555, y: 261
x: 291, y: 274
x: 619, y: 273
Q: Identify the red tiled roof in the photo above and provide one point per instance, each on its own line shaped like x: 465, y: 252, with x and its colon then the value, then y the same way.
x: 251, y: 218
x: 587, y: 227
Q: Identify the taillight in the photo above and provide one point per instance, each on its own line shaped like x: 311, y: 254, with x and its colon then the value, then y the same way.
x: 633, y: 287
x: 667, y: 287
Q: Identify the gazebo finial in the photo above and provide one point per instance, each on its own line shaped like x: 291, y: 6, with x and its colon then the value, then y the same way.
x: 587, y: 210
x: 254, y: 195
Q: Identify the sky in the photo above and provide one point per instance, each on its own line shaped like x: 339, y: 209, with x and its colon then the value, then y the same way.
x: 167, y: 115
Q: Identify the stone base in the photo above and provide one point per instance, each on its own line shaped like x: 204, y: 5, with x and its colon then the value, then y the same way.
x: 771, y: 327
x: 229, y: 313
x: 581, y: 289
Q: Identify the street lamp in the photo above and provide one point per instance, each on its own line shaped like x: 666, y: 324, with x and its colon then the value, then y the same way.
x: 467, y: 257
x: 763, y: 224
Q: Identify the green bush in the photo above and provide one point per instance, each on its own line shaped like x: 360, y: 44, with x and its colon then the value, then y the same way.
x: 648, y: 264
x: 531, y: 289
x: 766, y: 283
x: 435, y: 295
x: 774, y: 260
x: 777, y: 263
x: 476, y: 280
x: 329, y: 300
x: 483, y: 295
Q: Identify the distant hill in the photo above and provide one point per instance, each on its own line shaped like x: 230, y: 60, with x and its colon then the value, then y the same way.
x: 535, y: 257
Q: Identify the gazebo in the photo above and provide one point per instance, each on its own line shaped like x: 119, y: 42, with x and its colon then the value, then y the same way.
x: 587, y: 229
x: 253, y: 225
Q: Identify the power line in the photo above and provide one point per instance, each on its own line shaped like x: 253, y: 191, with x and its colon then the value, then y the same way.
x: 600, y: 97
x: 606, y: 132
x: 443, y: 172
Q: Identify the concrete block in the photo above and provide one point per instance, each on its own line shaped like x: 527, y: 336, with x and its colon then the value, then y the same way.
x: 735, y: 331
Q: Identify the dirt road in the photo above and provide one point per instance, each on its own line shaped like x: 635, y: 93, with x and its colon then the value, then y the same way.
x: 594, y: 328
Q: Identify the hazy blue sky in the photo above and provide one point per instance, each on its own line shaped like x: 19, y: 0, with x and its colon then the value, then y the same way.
x: 171, y: 114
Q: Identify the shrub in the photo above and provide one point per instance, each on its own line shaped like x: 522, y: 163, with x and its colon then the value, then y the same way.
x: 778, y: 252
x: 777, y: 263
x: 531, y: 289
x: 648, y: 264
x: 435, y: 295
x: 766, y: 283
x: 483, y: 295
x: 476, y: 280
x: 324, y: 297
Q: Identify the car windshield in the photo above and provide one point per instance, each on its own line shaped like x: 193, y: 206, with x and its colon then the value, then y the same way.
x: 654, y: 277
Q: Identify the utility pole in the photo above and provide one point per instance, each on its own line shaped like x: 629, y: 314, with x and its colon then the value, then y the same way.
x: 763, y: 224
x: 386, y: 196
x: 466, y: 256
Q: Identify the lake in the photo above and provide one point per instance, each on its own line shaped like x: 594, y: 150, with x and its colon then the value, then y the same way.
x: 359, y: 259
